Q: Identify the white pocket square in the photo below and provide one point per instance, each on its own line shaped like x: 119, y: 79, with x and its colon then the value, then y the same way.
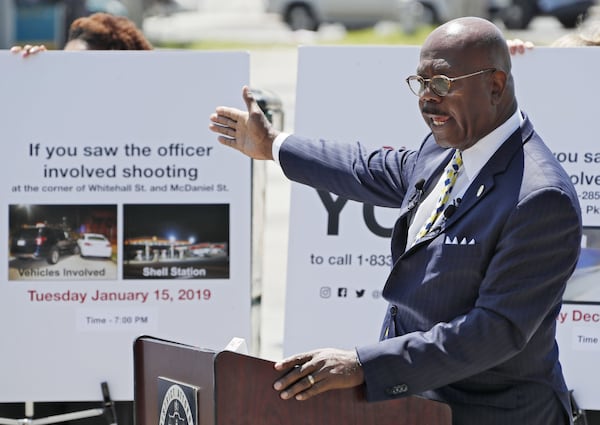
x: 456, y: 241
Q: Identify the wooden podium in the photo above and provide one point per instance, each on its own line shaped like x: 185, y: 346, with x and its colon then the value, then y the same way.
x: 235, y: 389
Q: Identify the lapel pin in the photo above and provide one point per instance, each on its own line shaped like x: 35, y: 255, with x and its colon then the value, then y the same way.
x: 480, y: 191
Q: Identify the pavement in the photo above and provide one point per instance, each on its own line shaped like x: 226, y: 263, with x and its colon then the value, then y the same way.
x: 274, y: 70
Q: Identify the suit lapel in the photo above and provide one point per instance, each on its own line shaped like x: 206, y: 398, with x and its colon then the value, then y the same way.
x: 429, y: 166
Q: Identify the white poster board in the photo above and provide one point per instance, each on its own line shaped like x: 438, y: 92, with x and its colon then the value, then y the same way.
x: 339, y: 260
x: 116, y: 145
x: 553, y: 86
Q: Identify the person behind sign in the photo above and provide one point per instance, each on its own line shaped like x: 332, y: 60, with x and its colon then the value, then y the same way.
x: 99, y: 31
x: 588, y: 35
x: 473, y: 302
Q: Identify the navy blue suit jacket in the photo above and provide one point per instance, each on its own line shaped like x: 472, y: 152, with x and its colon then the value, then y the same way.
x: 472, y: 306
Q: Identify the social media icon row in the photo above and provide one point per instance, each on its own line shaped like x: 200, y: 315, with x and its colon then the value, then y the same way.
x: 345, y: 292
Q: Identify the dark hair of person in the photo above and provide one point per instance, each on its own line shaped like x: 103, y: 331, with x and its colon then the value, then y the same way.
x: 102, y: 31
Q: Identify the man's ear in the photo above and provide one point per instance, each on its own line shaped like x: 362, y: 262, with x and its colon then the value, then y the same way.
x: 499, y: 85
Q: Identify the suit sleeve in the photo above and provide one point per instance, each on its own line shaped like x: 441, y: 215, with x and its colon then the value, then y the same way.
x: 378, y: 178
x: 513, y: 319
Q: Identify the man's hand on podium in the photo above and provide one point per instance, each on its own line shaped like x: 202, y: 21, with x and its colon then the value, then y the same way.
x: 314, y: 372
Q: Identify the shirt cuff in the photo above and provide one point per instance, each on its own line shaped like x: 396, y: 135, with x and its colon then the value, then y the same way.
x: 277, y: 146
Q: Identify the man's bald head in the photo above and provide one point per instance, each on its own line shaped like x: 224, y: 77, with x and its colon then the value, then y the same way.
x: 473, y: 55
x: 476, y: 37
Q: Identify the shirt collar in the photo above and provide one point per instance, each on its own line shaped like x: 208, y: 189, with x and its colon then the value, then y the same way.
x: 477, y: 155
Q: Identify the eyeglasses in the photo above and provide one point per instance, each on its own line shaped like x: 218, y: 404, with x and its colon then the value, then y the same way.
x: 439, y: 84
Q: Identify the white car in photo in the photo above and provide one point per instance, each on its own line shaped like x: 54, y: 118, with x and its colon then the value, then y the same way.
x: 94, y: 245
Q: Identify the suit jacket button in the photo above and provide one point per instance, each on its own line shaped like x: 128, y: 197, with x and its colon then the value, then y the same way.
x: 393, y: 310
x: 397, y: 389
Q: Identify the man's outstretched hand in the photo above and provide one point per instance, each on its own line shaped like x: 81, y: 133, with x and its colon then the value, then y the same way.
x: 250, y: 132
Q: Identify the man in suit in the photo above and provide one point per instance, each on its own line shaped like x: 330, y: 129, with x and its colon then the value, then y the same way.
x: 475, y: 290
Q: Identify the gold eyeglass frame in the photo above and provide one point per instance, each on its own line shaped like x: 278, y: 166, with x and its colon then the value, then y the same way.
x: 426, y: 82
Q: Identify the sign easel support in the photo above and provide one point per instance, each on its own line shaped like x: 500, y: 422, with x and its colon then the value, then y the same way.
x: 107, y: 410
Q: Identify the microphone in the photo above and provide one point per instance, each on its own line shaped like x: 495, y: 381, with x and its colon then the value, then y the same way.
x: 419, y: 185
x: 417, y: 196
x: 451, y: 209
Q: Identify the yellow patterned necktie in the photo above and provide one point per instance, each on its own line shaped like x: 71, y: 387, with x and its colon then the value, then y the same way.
x: 451, y: 172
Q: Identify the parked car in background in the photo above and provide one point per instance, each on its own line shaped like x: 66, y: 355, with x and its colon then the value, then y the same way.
x: 94, y: 245
x: 437, y: 12
x: 515, y: 14
x: 519, y: 13
x: 43, y: 242
x: 310, y: 14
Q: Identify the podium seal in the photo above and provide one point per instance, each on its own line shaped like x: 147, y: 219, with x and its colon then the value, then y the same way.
x: 177, y: 403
